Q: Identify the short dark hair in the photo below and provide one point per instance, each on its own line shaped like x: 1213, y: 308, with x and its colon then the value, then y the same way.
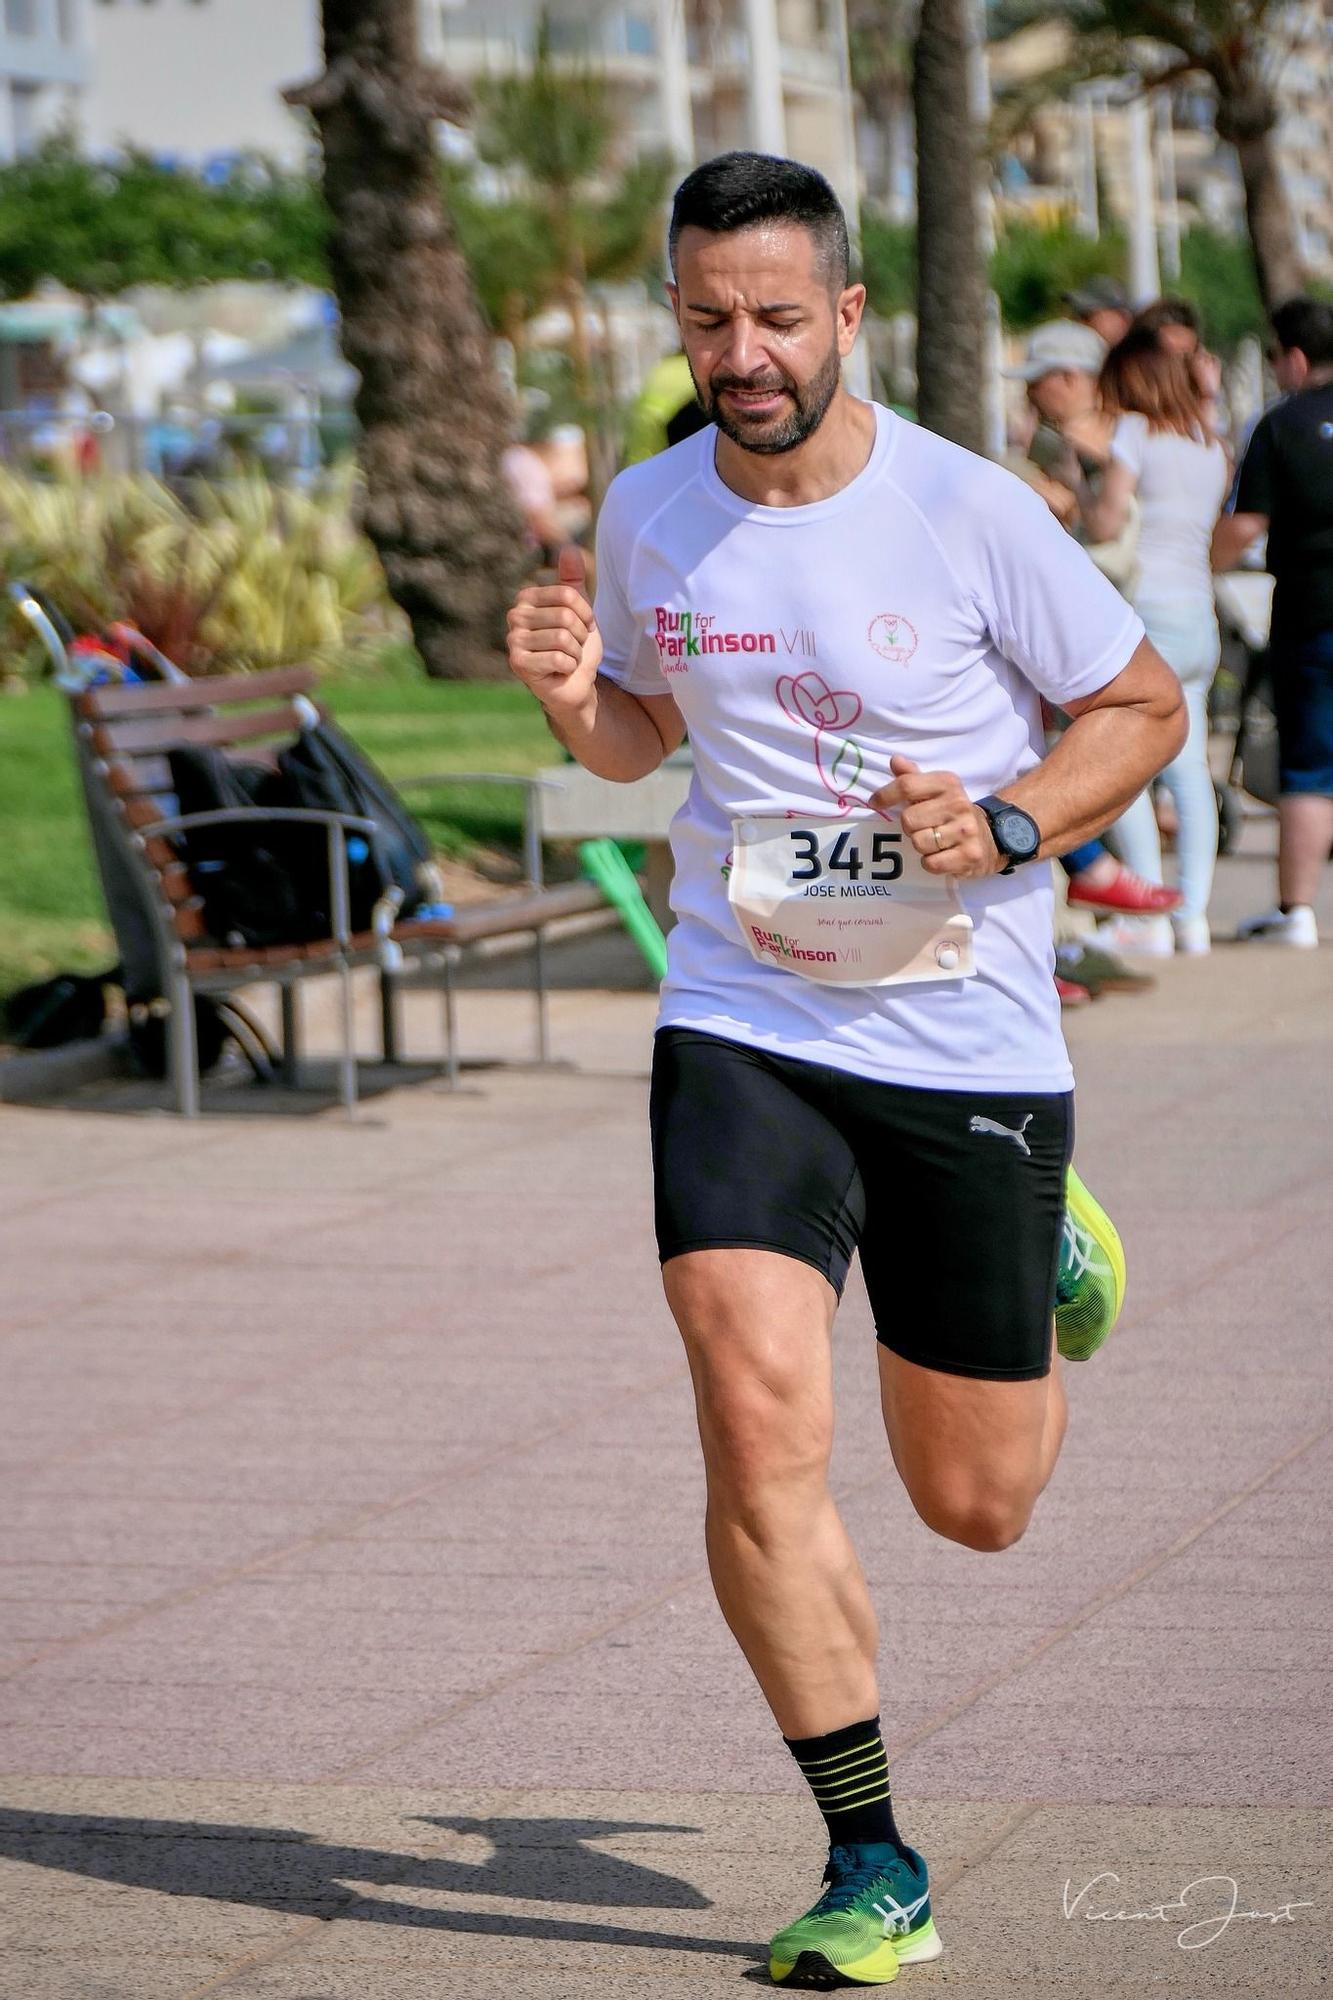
x: 737, y: 190
x: 1306, y: 325
x: 1170, y: 312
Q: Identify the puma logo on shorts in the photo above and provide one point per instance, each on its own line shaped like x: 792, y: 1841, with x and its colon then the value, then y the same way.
x: 1004, y: 1131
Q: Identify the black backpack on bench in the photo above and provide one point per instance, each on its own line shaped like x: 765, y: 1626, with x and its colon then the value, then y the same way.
x: 267, y: 885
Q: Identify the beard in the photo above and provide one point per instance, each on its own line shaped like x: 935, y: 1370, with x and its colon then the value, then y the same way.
x: 768, y: 435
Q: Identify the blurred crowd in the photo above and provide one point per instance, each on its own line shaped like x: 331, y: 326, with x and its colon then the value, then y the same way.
x: 1125, y: 436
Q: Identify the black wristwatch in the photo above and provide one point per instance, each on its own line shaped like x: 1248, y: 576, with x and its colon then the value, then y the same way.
x: 1014, y: 832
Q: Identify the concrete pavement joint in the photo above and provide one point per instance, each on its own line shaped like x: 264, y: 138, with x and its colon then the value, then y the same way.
x: 253, y: 1385
x: 690, y: 1579
x: 256, y: 1962
x: 1110, y: 1595
x: 1132, y: 1322
x: 341, y: 1530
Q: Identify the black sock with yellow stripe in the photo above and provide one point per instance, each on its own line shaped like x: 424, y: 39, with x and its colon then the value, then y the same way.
x: 848, y: 1773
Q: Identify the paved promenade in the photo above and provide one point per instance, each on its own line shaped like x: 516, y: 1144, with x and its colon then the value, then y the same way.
x: 355, y: 1640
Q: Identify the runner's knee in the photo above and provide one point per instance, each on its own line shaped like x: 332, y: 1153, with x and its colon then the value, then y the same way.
x: 987, y: 1519
x: 759, y: 1443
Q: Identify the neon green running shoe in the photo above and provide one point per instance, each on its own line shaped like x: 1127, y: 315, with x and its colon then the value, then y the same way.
x: 873, y: 1916
x: 1090, y: 1285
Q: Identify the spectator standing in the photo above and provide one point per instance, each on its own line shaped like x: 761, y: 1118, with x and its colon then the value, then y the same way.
x: 1164, y: 454
x: 529, y: 480
x: 1072, y: 441
x: 1178, y: 328
x: 666, y: 410
x: 1286, y: 490
x: 1103, y: 304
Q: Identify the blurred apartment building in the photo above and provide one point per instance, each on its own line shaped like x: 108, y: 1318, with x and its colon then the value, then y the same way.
x: 202, y: 81
x: 1076, y: 155
x: 1305, y: 136
x: 691, y: 77
x: 44, y: 66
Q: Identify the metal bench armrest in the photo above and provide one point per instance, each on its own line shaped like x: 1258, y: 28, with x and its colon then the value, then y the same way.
x: 335, y: 824
x: 531, y: 784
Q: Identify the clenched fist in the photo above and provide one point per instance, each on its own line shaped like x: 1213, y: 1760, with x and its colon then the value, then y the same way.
x: 554, y: 645
x: 951, y: 835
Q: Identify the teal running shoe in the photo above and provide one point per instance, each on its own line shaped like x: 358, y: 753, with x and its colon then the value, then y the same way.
x: 873, y: 1916
x: 1090, y: 1284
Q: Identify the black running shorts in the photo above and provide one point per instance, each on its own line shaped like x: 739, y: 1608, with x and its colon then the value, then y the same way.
x: 955, y: 1198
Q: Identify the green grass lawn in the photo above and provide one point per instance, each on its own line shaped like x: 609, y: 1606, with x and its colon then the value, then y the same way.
x: 51, y: 915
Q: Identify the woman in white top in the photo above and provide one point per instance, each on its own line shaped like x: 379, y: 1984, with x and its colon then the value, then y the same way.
x: 1163, y: 452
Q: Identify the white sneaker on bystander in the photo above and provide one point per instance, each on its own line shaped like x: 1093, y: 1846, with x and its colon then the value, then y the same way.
x: 1194, y: 939
x: 1138, y: 937
x: 1295, y: 928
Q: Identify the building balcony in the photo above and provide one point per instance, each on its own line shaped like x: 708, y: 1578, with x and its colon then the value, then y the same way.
x: 501, y: 35
x: 41, y: 57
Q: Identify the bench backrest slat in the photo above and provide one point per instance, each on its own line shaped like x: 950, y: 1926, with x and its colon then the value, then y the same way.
x: 107, y: 704
x: 166, y: 732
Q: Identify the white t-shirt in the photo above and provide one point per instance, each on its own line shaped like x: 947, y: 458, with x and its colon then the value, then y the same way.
x: 939, y: 596
x: 1182, y: 483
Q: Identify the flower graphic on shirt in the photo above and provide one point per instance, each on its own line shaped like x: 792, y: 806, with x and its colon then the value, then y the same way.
x: 809, y: 700
x: 892, y: 637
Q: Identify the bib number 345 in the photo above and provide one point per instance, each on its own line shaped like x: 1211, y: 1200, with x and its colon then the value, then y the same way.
x: 845, y: 904
x: 845, y: 857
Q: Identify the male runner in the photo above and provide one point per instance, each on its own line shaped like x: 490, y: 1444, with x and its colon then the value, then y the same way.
x: 855, y: 621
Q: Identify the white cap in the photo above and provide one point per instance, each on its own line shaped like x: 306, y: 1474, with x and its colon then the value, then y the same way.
x: 1062, y: 344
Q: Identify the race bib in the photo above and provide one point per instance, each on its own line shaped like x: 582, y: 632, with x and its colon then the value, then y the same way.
x: 845, y: 903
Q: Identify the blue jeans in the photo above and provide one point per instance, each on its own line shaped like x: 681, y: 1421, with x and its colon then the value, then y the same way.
x: 1187, y: 641
x: 1079, y: 858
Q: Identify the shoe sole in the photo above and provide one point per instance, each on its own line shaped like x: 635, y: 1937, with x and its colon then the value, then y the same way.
x: 1090, y: 1215
x: 813, y: 1973
x: 1118, y: 909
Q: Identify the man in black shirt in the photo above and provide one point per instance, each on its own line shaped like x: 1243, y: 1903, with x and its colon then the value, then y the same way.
x: 1286, y: 490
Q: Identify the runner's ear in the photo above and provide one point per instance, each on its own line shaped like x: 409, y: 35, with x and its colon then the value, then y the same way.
x: 570, y: 566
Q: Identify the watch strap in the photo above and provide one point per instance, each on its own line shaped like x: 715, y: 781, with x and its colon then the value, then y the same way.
x: 993, y: 807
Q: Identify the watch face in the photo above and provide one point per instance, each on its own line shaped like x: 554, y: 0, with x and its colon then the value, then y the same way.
x: 1017, y: 834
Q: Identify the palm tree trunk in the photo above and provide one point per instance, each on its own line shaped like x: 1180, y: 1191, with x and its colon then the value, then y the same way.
x: 1272, y: 226
x: 950, y: 345
x: 434, y: 418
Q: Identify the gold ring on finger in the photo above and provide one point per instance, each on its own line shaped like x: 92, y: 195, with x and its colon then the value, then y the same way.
x: 938, y: 842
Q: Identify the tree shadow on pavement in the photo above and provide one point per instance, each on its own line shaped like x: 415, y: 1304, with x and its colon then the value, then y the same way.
x: 296, y: 1874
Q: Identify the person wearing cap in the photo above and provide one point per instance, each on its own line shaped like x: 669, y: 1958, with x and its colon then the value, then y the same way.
x: 1061, y: 364
x: 1102, y: 304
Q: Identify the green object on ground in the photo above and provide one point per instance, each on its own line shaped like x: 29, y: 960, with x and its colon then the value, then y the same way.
x: 604, y: 864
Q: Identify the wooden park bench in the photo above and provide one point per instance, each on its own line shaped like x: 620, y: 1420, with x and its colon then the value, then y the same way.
x: 123, y: 735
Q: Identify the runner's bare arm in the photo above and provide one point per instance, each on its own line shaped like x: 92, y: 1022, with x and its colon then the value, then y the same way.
x: 1118, y: 740
x: 555, y: 649
x: 1116, y: 743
